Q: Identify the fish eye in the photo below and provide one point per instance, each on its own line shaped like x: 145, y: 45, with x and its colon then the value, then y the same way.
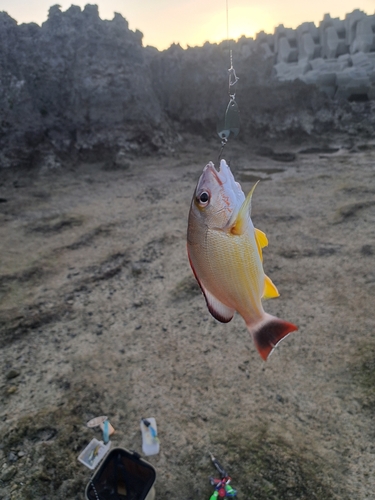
x: 203, y: 198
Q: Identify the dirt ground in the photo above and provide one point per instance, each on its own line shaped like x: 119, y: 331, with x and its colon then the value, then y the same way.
x: 100, y: 314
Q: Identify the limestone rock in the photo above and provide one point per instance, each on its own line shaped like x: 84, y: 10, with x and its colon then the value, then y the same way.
x: 80, y: 88
x: 76, y: 83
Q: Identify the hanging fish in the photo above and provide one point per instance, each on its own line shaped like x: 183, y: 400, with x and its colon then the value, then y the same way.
x: 225, y: 254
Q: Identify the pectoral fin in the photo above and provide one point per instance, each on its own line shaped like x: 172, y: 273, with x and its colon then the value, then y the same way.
x: 240, y: 224
x: 270, y: 291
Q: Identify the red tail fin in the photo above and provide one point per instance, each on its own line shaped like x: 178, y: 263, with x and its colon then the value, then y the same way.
x: 269, y: 334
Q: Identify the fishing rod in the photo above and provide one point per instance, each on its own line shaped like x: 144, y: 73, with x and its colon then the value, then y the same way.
x: 222, y: 487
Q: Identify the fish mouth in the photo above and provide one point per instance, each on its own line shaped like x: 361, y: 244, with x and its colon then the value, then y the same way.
x: 223, y: 180
x: 222, y: 176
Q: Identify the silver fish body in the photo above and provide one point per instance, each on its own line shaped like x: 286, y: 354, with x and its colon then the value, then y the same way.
x: 225, y: 253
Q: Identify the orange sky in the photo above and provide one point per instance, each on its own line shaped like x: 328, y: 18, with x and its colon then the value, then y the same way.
x: 192, y: 22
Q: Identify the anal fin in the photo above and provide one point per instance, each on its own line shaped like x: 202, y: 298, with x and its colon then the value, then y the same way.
x: 219, y: 311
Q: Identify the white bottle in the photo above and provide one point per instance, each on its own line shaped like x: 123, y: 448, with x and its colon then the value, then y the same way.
x: 150, y: 440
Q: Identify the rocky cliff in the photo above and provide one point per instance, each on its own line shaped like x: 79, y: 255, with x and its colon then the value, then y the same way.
x: 76, y: 85
x: 79, y: 87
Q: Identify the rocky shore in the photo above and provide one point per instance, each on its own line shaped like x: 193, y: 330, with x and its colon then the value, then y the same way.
x: 79, y: 88
x: 100, y: 315
x: 102, y: 141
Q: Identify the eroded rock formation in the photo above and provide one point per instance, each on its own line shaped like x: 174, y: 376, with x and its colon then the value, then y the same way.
x: 79, y: 87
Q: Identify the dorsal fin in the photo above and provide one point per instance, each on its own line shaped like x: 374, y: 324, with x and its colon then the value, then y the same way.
x: 270, y: 290
x: 261, y: 241
x: 240, y: 223
x: 261, y: 237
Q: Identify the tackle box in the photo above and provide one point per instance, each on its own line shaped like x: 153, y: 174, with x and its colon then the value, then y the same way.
x: 123, y: 475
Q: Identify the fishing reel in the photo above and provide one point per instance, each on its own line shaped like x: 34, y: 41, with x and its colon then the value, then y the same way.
x: 222, y: 487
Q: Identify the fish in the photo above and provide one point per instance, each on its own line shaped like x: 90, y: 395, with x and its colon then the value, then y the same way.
x: 225, y: 254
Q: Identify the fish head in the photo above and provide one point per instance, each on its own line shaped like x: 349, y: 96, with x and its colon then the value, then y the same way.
x: 217, y: 198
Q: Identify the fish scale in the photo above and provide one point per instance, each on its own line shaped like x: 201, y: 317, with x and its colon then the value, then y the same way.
x: 233, y: 268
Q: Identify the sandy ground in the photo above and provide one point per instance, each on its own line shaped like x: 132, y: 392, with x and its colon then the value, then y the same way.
x: 100, y: 314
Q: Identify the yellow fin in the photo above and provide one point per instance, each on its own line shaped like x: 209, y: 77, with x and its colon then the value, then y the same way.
x: 270, y: 291
x: 261, y: 238
x: 240, y: 224
x: 261, y: 241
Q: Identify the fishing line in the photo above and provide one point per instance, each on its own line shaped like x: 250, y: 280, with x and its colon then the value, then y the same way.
x: 231, y: 121
x: 226, y: 1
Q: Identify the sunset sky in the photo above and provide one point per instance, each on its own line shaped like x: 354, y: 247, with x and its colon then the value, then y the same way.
x: 192, y: 22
